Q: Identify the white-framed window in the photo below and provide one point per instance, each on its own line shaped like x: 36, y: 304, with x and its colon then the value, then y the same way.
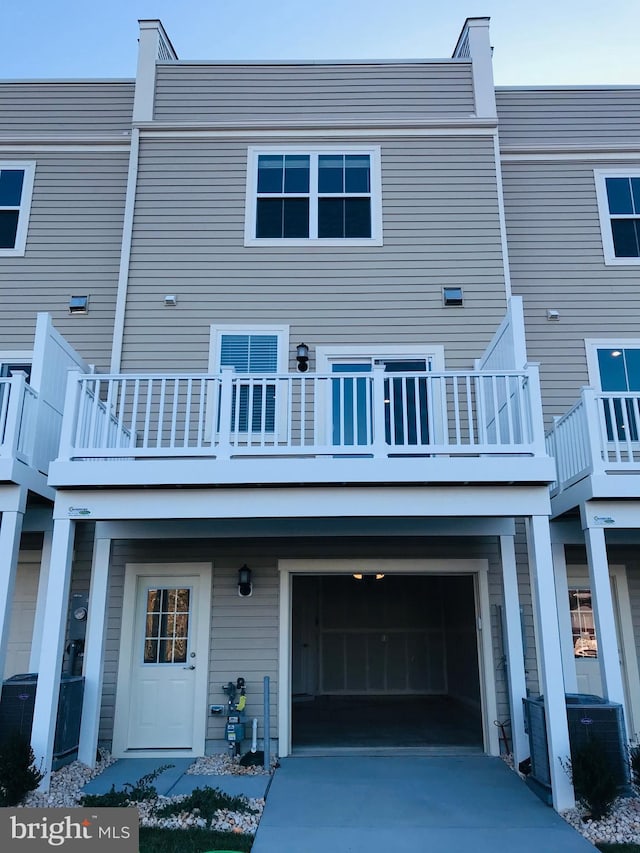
x: 614, y: 369
x: 11, y: 360
x: 252, y: 349
x: 618, y: 193
x: 326, y: 195
x: 16, y: 188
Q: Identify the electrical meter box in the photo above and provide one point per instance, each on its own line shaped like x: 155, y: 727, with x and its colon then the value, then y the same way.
x: 235, y: 731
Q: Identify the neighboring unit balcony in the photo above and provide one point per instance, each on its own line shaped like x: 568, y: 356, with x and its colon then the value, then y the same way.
x: 232, y: 428
x: 596, y: 445
x: 27, y: 443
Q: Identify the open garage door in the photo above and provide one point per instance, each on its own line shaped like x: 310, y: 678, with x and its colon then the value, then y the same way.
x: 385, y: 661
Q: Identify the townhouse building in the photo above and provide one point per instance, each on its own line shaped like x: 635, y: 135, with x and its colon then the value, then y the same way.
x: 293, y: 424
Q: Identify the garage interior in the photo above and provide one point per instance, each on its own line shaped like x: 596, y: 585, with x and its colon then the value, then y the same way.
x: 385, y: 661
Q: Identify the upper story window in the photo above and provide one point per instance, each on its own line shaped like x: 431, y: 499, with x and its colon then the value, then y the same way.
x: 618, y: 193
x: 327, y: 195
x: 16, y: 185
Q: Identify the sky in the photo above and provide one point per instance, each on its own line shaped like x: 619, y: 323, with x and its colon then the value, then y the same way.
x: 546, y: 42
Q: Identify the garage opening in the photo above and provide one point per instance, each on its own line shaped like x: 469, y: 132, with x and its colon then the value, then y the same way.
x: 385, y: 661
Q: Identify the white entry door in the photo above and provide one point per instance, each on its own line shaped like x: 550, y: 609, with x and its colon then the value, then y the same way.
x: 164, y: 661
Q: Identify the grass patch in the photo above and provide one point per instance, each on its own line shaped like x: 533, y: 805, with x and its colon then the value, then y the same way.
x: 207, y: 801
x: 616, y: 848
x: 153, y: 840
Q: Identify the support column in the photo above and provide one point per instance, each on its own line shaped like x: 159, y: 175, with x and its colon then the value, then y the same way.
x: 94, y: 651
x: 41, y: 602
x: 10, y: 530
x: 550, y: 659
x: 564, y: 617
x: 604, y: 616
x: 53, y: 634
x: 517, y: 684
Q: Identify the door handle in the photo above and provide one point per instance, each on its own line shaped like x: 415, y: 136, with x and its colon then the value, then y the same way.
x: 189, y: 667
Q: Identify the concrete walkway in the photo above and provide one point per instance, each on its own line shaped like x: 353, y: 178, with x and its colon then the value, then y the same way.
x: 425, y: 804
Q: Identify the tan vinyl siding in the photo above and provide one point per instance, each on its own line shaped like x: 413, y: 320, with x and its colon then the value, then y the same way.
x: 440, y: 219
x: 328, y: 92
x: 557, y: 262
x: 245, y: 631
x: 42, y: 108
x: 598, y: 116
x: 73, y: 247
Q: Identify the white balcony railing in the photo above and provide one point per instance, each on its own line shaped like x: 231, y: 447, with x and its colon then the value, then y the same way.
x: 18, y: 419
x: 600, y: 433
x: 230, y: 415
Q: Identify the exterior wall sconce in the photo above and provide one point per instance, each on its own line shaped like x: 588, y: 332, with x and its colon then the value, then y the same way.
x: 78, y: 305
x: 302, y: 357
x: 245, y: 587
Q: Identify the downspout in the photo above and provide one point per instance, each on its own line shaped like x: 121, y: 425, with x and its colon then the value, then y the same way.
x: 125, y: 255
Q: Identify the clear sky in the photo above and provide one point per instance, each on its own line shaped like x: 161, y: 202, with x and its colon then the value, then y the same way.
x: 548, y: 41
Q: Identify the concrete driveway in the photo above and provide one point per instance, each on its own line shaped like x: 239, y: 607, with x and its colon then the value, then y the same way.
x: 419, y: 804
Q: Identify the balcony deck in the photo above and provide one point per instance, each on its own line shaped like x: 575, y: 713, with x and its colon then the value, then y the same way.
x: 247, y: 429
x: 596, y: 445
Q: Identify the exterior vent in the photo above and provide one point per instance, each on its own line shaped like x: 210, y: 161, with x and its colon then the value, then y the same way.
x: 588, y: 717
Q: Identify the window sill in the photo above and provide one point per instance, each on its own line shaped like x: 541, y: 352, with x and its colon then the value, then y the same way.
x: 308, y: 241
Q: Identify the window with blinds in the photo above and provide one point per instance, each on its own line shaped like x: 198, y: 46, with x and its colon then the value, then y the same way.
x: 253, y: 404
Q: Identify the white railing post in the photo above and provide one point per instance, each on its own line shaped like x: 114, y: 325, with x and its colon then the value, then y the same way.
x: 536, y: 425
x: 69, y: 416
x: 379, y: 444
x: 223, y: 450
x: 594, y: 433
x: 15, y: 388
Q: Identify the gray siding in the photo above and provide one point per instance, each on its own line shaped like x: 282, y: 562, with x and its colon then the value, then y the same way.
x: 329, y: 92
x: 441, y: 227
x: 557, y: 261
x: 41, y: 108
x: 244, y: 632
x: 73, y: 247
x: 608, y: 116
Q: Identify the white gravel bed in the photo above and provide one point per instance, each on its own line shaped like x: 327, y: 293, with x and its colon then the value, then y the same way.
x: 223, y: 764
x: 621, y: 827
x: 67, y: 783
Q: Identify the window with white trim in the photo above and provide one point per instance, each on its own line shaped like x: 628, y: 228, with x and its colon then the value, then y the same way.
x: 16, y: 187
x: 261, y: 350
x: 330, y: 196
x: 618, y: 192
x: 614, y: 368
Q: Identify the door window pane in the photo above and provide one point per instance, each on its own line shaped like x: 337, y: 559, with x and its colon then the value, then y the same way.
x: 585, y: 644
x: 167, y: 625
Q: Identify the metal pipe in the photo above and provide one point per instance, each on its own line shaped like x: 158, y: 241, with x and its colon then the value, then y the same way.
x: 267, y: 725
x: 254, y: 735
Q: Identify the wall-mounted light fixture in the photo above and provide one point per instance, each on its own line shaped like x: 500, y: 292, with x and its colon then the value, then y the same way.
x: 302, y: 357
x: 245, y: 587
x: 78, y: 305
x: 170, y: 300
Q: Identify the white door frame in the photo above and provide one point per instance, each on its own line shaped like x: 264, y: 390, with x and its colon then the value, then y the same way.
x: 626, y: 640
x: 134, y: 571
x: 477, y: 568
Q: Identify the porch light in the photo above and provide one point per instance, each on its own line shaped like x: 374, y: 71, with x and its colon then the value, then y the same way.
x: 245, y: 587
x: 302, y: 357
x: 78, y: 305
